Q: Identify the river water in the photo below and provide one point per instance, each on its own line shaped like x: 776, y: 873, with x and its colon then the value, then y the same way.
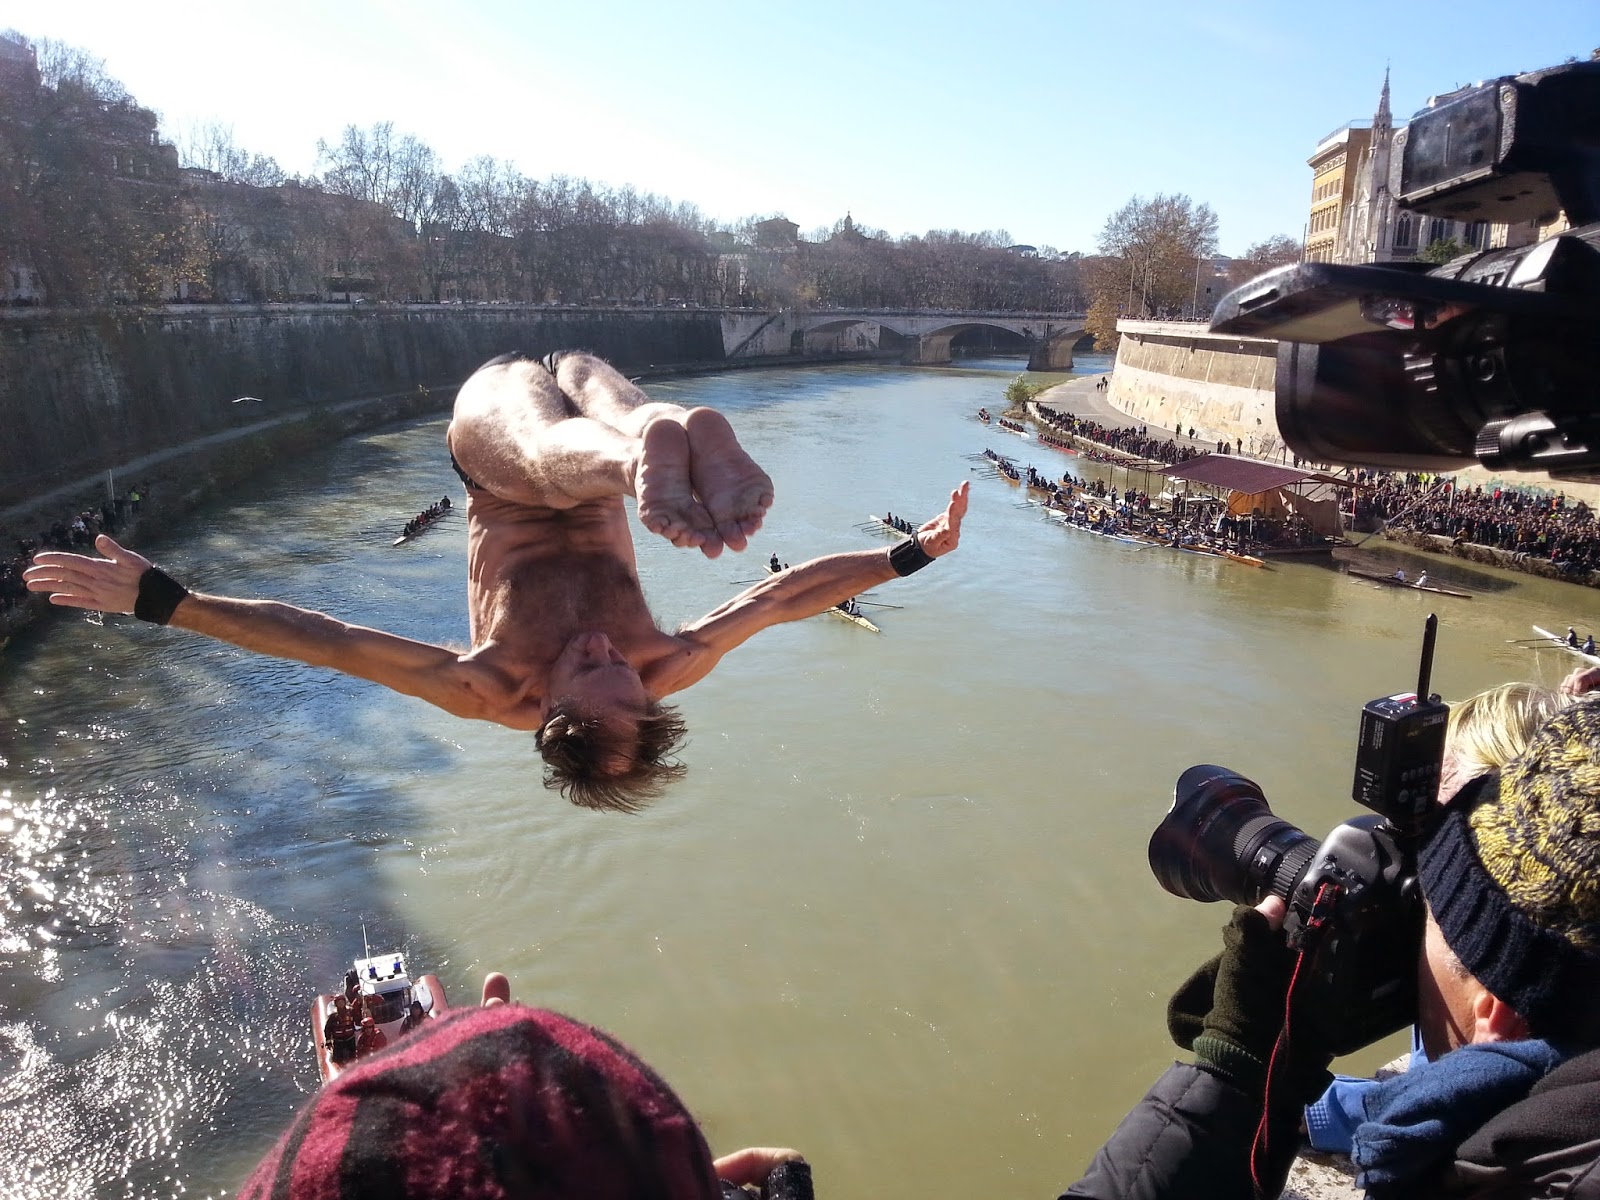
x: 898, y: 915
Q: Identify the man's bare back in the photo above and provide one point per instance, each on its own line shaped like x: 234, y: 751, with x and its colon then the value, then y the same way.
x: 563, y: 643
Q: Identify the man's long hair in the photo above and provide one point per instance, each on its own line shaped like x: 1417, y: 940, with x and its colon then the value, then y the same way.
x: 576, y: 750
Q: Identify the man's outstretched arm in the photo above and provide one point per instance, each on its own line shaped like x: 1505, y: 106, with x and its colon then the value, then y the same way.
x: 808, y: 589
x: 112, y: 584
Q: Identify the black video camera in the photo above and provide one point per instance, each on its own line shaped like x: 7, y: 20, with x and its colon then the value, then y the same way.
x: 1493, y: 358
x: 1354, y: 905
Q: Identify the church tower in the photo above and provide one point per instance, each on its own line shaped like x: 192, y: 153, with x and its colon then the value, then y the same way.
x: 1380, y: 228
x: 1369, y: 221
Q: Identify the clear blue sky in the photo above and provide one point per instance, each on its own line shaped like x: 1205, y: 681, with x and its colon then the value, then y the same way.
x: 1035, y: 117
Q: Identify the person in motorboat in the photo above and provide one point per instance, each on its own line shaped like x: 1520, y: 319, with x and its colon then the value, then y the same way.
x: 564, y: 645
x: 372, y: 1038
x: 339, y: 1032
x: 352, y: 986
x: 414, y: 1018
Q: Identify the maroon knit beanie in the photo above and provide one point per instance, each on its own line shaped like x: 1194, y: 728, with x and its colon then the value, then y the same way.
x: 491, y: 1104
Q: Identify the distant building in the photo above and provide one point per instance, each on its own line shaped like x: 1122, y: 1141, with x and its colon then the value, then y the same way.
x: 1213, y: 279
x: 777, y: 233
x: 107, y: 158
x: 1333, y: 187
x: 847, y: 232
x: 18, y: 62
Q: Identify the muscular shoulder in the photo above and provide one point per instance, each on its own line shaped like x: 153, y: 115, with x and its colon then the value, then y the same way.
x: 685, y: 659
x: 483, y: 687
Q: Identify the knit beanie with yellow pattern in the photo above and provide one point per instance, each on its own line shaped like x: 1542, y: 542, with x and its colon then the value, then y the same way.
x: 1512, y: 876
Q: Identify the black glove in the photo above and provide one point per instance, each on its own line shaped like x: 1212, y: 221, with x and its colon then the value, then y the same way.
x: 1230, y: 1012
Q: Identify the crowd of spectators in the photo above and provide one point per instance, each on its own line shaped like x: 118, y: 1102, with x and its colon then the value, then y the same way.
x: 75, y: 533
x: 1134, y: 439
x: 1524, y: 523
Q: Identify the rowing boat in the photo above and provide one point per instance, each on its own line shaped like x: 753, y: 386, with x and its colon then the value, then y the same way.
x: 1561, y: 643
x: 1249, y: 560
x: 886, y: 527
x: 1061, y: 518
x: 425, y: 525
x: 1391, y: 581
x: 836, y: 611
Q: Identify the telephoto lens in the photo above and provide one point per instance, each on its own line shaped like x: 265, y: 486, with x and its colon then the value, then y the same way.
x: 1220, y: 841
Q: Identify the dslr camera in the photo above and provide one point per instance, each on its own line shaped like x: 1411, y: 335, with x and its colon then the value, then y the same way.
x: 1355, y: 909
x: 1492, y: 358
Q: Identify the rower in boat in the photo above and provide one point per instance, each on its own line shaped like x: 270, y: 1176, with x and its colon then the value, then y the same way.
x: 1588, y: 644
x: 1572, y: 637
x: 1422, y: 580
x: 773, y: 564
x: 1399, y: 575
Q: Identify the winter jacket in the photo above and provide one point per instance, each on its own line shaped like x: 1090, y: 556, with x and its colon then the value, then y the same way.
x: 1191, y: 1134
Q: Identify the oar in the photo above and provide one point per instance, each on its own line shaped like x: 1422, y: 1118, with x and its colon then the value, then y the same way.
x: 879, y: 604
x: 737, y: 581
x: 1534, y: 641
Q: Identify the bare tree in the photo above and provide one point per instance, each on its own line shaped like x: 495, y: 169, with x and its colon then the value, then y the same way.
x: 1157, y: 246
x: 1276, y: 251
x: 211, y: 146
x: 88, y: 195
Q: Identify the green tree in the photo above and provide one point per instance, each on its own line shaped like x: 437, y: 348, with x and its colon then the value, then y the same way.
x: 1441, y: 250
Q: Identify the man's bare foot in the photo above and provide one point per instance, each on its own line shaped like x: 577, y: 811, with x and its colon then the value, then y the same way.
x: 735, y: 491
x: 667, y: 505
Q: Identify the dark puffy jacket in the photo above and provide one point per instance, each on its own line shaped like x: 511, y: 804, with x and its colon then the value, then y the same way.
x: 1191, y: 1134
x: 1547, y: 1145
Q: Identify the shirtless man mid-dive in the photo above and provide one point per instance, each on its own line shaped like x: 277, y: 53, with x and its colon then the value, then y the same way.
x: 562, y: 642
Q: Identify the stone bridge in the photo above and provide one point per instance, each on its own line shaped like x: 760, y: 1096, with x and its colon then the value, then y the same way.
x: 925, y: 334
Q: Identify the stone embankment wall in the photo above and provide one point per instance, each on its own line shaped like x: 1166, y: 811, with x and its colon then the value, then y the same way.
x: 83, y: 394
x: 1176, y: 375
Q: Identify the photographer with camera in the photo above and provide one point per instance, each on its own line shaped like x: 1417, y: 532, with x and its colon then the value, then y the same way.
x: 1478, y: 920
x: 1485, y: 733
x: 1507, y: 977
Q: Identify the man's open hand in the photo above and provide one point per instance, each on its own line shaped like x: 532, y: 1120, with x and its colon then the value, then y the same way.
x: 943, y: 533
x: 1581, y: 682
x: 109, y: 584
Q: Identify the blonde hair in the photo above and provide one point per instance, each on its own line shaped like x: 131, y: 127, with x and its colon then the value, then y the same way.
x: 1490, y: 729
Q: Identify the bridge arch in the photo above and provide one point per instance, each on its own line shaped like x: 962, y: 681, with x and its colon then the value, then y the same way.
x: 1049, y: 346
x: 927, y: 335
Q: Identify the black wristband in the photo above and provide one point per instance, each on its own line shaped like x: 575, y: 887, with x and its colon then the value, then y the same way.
x: 909, y: 557
x: 159, y: 596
